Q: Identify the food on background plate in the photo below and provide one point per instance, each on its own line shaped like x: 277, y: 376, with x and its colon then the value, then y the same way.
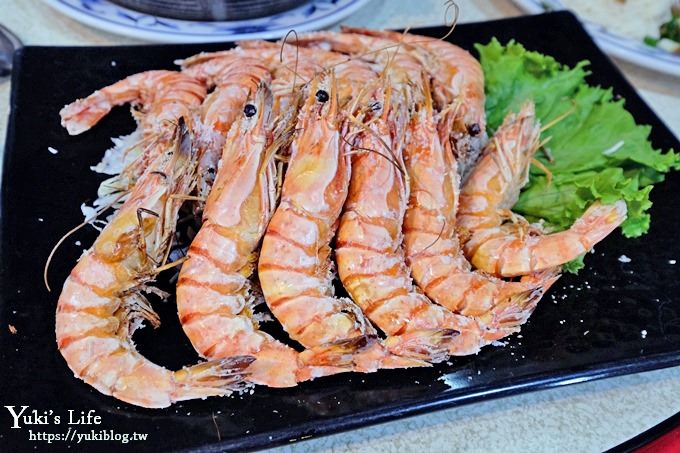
x: 343, y: 122
x: 669, y: 33
x: 633, y: 19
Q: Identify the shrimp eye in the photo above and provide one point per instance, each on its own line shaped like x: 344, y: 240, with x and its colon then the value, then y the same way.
x: 375, y: 106
x: 249, y: 110
x: 321, y: 96
x: 474, y: 129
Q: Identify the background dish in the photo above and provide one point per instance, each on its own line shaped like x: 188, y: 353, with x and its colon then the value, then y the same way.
x: 577, y: 333
x: 108, y: 16
x: 631, y: 50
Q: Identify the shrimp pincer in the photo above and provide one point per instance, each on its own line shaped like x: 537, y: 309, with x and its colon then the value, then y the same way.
x: 503, y: 243
x: 102, y: 301
x: 433, y: 250
x: 294, y: 266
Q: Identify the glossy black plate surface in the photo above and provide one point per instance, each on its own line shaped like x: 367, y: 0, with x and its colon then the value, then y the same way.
x: 611, y: 319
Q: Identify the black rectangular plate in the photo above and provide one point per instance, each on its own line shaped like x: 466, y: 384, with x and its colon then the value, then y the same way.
x: 589, y: 326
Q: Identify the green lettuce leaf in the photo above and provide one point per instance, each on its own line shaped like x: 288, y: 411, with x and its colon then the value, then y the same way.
x: 597, y: 151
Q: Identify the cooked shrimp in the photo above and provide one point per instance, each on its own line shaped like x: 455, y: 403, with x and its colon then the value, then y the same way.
x: 368, y: 246
x: 291, y: 67
x: 214, y: 298
x: 159, y: 99
x: 503, y: 243
x: 399, y: 66
x: 456, y: 73
x: 162, y: 97
x: 294, y: 266
x: 458, y: 85
x: 102, y: 302
x: 233, y: 82
x: 432, y: 247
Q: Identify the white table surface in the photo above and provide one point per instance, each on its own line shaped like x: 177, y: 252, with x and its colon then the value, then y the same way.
x: 590, y: 416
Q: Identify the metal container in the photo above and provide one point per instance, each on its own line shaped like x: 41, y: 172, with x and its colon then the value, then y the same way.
x: 210, y: 10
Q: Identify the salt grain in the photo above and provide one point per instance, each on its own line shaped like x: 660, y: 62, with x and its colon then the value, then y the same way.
x: 586, y: 332
x: 624, y: 259
x: 643, y: 333
x: 52, y: 150
x: 671, y: 261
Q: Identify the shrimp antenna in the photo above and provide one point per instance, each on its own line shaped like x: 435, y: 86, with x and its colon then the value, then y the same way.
x: 451, y: 4
x: 297, y: 53
x: 361, y: 148
x: 439, y: 236
x: 390, y: 156
x: 70, y: 232
x: 561, y: 116
x: 168, y: 265
x: 294, y: 70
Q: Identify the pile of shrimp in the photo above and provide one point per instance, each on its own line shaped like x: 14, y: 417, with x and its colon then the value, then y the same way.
x: 358, y: 155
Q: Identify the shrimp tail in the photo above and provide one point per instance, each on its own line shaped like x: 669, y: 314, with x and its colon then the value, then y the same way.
x: 431, y: 346
x: 340, y: 353
x: 599, y: 220
x: 280, y: 366
x: 515, y: 309
x: 80, y: 115
x: 365, y: 353
x: 215, y: 378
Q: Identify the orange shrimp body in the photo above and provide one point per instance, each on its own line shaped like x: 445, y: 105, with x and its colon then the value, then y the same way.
x: 512, y: 248
x: 233, y: 82
x: 291, y: 67
x: 161, y: 96
x: 457, y: 85
x: 456, y: 73
x: 400, y: 67
x: 214, y: 299
x: 433, y: 250
x: 159, y: 99
x: 102, y: 302
x: 294, y: 266
x: 368, y: 247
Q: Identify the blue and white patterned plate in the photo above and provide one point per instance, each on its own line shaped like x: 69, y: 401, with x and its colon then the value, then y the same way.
x: 108, y: 16
x: 627, y: 49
